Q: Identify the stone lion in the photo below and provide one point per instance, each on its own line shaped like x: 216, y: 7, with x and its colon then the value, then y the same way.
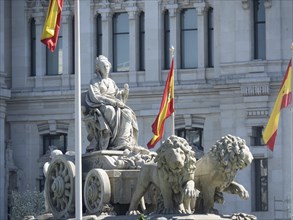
x: 215, y: 171
x: 172, y: 173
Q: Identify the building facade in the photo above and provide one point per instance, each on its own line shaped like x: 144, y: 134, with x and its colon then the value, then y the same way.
x: 230, y: 59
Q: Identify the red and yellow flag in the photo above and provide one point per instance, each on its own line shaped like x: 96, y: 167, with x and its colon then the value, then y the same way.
x: 52, y: 24
x: 166, y: 109
x: 283, y: 100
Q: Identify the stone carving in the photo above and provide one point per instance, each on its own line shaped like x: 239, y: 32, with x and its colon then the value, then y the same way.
x: 111, y: 124
x: 172, y: 172
x: 215, y: 171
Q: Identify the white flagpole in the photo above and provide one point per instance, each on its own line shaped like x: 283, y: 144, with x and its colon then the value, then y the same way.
x: 172, y: 49
x: 78, y: 149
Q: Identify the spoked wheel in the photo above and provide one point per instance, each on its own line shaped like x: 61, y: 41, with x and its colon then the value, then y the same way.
x: 97, y: 190
x: 59, y: 187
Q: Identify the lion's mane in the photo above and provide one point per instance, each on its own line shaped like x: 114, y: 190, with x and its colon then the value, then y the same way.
x: 231, y: 155
x: 177, y: 179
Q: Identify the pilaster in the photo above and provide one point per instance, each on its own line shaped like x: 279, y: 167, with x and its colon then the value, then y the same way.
x: 201, y: 9
x: 174, y: 14
x: 133, y: 43
x: 3, y: 195
x: 67, y: 44
x: 152, y: 39
x: 107, y: 32
x: 40, y: 51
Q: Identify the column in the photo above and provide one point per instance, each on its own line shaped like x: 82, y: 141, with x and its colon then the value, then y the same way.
x: 201, y: 29
x: 67, y: 47
x: 175, y: 35
x: 107, y: 49
x: 153, y: 43
x: 133, y: 43
x: 40, y: 51
x: 2, y: 42
x: 3, y: 188
x: 5, y: 38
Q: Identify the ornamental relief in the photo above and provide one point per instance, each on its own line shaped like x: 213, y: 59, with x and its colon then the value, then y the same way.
x: 257, y: 113
x: 42, y: 5
x: 254, y: 90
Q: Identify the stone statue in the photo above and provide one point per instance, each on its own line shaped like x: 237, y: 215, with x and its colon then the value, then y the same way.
x: 111, y: 124
x: 172, y: 172
x: 183, y: 181
x: 215, y: 171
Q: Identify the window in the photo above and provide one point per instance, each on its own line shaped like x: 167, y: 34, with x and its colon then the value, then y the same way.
x: 259, y: 29
x: 121, y: 42
x: 256, y: 136
x: 210, y: 37
x: 189, y: 47
x: 57, y: 140
x: 99, y: 35
x: 33, y: 47
x: 167, y: 40
x: 261, y: 184
x: 54, y: 60
x: 193, y: 137
x: 141, y: 42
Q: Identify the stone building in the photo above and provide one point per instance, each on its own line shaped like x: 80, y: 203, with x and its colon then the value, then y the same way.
x: 230, y: 59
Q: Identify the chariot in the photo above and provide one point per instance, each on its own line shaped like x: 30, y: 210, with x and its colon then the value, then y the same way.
x: 108, y: 181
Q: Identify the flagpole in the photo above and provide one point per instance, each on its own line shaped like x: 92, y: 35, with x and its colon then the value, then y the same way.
x: 78, y: 182
x: 291, y: 118
x: 172, y: 49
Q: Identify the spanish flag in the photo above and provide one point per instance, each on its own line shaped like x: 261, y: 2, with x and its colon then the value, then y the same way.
x: 283, y: 100
x: 166, y: 109
x: 52, y: 24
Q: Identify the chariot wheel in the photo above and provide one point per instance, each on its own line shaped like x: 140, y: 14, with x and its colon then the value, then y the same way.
x: 97, y: 190
x: 59, y: 187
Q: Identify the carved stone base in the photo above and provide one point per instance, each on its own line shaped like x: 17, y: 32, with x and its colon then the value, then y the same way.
x: 149, y: 217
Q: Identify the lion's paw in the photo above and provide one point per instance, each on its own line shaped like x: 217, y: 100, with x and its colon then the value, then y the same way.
x: 243, y: 194
x: 133, y: 212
